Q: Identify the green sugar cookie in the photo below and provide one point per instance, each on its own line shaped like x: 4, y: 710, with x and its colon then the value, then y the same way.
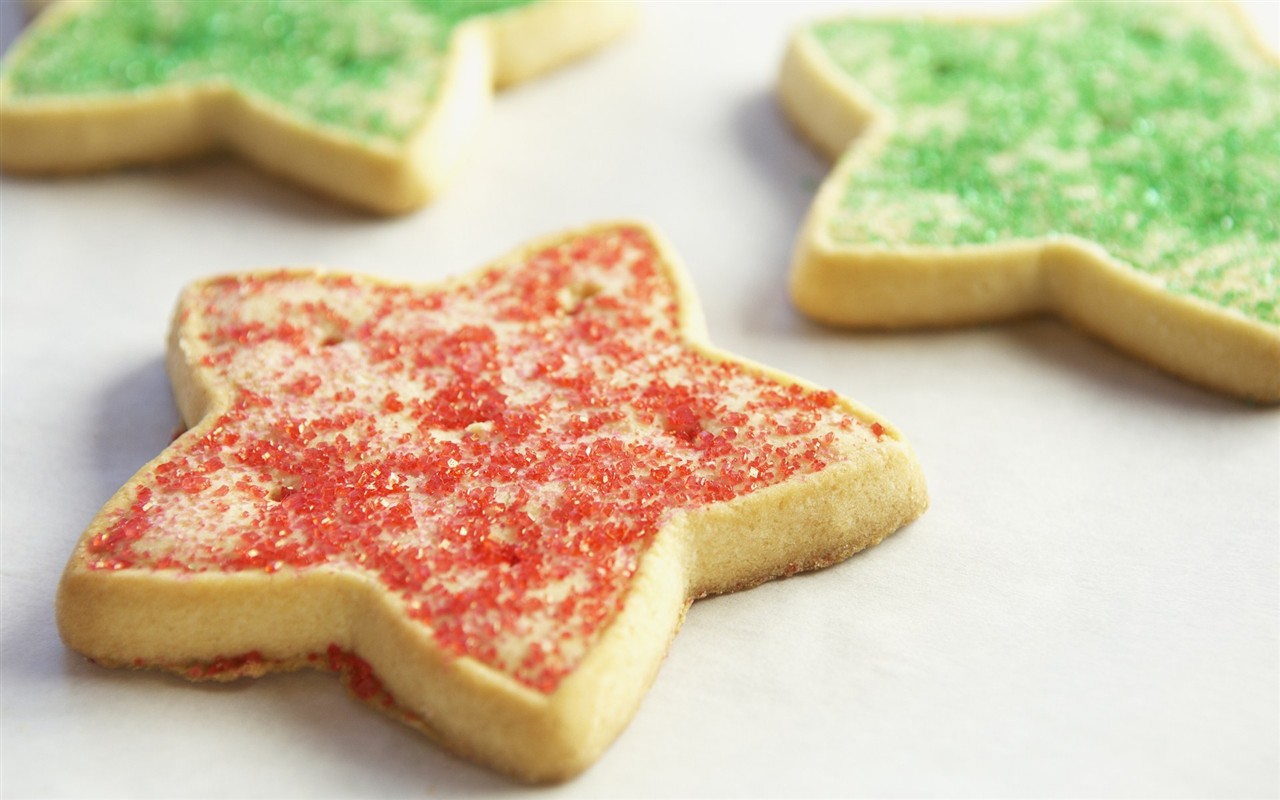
x: 1117, y: 164
x: 373, y: 103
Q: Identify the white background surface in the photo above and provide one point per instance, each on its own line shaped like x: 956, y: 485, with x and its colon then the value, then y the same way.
x: 1088, y: 608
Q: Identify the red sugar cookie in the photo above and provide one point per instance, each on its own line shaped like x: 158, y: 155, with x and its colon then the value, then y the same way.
x: 487, y: 503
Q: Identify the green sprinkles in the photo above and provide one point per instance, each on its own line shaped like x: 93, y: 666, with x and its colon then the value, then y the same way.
x: 368, y: 69
x: 1153, y: 131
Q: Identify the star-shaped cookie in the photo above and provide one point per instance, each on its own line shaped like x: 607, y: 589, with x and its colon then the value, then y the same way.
x: 373, y: 103
x: 488, y: 503
x: 1118, y: 164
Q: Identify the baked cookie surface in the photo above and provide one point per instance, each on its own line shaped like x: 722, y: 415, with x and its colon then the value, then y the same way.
x: 1114, y: 163
x: 372, y: 103
x: 488, y: 503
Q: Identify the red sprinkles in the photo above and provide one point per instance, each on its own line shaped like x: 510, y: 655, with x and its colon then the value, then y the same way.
x: 498, y: 452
